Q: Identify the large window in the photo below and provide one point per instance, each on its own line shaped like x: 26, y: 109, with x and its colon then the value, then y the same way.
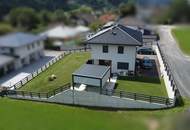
x: 123, y: 65
x: 120, y: 49
x: 105, y: 49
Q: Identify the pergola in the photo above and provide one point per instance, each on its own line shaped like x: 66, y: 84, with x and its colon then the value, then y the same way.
x: 93, y: 75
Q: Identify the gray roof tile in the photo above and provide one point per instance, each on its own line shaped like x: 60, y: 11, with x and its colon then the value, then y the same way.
x: 18, y: 39
x: 117, y: 34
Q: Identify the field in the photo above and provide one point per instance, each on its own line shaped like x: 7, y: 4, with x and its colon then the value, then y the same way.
x: 144, y: 85
x: 26, y: 115
x: 62, y: 69
x: 182, y: 35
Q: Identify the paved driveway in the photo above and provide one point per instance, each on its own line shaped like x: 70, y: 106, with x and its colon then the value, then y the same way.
x: 15, y: 76
x: 179, y: 63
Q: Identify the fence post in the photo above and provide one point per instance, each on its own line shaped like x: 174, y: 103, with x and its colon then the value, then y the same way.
x: 31, y: 94
x: 23, y: 93
x: 14, y: 86
x: 166, y: 101
x: 39, y: 95
x: 135, y: 96
x: 120, y: 94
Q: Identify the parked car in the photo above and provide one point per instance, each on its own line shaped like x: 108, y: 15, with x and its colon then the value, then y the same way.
x: 146, y: 51
x: 147, y: 63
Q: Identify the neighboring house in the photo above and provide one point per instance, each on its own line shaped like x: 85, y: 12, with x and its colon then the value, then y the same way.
x: 19, y: 49
x: 115, y: 46
x: 64, y: 37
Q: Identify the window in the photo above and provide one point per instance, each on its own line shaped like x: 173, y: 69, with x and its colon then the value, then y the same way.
x: 122, y: 65
x: 28, y: 47
x: 105, y: 49
x: 120, y: 49
x: 12, y: 51
x: 38, y: 43
x: 33, y: 45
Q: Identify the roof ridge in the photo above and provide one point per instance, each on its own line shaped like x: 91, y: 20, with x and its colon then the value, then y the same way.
x: 106, y: 30
x: 128, y: 34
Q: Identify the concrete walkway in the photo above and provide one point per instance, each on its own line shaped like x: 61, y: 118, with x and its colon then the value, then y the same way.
x: 111, y: 84
x: 94, y: 99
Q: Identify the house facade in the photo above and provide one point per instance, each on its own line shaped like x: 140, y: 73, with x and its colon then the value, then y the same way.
x: 115, y: 46
x: 21, y: 49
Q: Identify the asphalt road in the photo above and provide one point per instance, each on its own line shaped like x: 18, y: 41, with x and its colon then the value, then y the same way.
x: 178, y: 62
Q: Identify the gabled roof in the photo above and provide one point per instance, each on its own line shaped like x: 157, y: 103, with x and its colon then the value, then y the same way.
x: 18, y: 39
x: 117, y: 35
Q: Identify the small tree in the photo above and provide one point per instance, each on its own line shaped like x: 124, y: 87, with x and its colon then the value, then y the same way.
x: 61, y: 16
x: 127, y: 9
x: 95, y: 25
x: 24, y: 18
x: 5, y: 28
x: 45, y: 17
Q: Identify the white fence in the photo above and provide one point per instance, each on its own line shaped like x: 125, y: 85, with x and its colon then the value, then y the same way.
x: 166, y: 73
x: 43, y: 68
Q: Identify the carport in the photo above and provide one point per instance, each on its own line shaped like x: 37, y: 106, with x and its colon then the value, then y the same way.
x: 92, y: 75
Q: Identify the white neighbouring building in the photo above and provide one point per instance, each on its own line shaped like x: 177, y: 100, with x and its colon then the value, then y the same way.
x: 19, y: 49
x: 115, y: 46
x: 65, y: 37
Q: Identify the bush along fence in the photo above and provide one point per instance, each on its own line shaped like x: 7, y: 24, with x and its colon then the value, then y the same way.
x: 46, y: 66
x: 139, y: 97
x: 166, y: 72
x: 29, y: 94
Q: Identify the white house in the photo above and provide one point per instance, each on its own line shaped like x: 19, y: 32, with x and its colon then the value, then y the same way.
x: 113, y: 50
x: 115, y: 46
x: 64, y: 37
x: 19, y: 49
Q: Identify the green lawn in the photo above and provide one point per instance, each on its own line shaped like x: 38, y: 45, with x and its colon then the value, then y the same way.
x: 182, y: 35
x: 144, y: 85
x: 62, y: 69
x: 26, y: 115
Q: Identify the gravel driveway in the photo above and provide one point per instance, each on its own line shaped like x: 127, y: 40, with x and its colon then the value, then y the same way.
x: 179, y: 63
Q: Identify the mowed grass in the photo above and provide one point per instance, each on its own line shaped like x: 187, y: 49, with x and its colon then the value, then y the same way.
x: 27, y: 115
x: 144, y: 85
x: 63, y: 69
x: 182, y: 35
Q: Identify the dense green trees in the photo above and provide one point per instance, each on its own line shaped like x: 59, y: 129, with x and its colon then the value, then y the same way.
x: 179, y: 11
x: 25, y: 18
x: 5, y: 28
x: 127, y: 9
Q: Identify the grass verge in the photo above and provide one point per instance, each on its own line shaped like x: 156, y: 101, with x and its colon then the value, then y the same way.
x: 144, y: 85
x: 26, y: 115
x: 182, y: 35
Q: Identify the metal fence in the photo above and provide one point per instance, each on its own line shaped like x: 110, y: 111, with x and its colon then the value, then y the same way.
x: 31, y: 94
x: 138, y: 96
x: 45, y: 67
